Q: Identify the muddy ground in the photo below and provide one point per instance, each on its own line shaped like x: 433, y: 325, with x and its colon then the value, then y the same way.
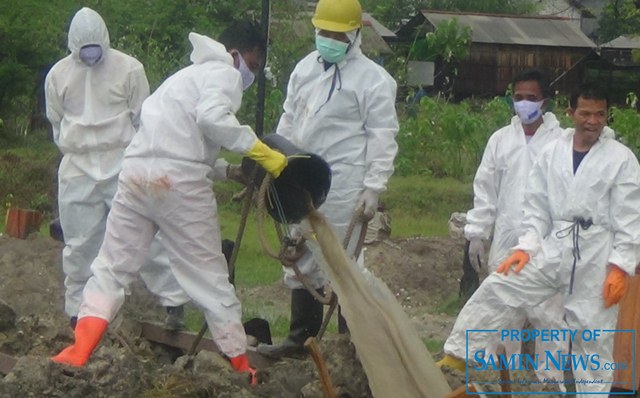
x: 423, y: 273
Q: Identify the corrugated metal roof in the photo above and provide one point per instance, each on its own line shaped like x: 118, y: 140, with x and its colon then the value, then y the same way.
x: 533, y: 31
x: 623, y: 42
x: 377, y: 26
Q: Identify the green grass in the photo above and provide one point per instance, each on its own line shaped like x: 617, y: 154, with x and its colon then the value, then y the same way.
x: 421, y: 205
x: 450, y: 306
x: 253, y: 266
x: 434, y: 346
x: 418, y: 206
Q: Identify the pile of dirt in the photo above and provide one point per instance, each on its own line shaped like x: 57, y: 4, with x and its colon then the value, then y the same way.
x: 422, y: 273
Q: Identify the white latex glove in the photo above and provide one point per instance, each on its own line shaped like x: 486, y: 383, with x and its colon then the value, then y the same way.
x: 295, y: 240
x: 476, y: 253
x: 296, y: 232
x: 235, y: 173
x: 369, y: 203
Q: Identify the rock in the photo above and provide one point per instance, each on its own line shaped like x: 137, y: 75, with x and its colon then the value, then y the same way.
x: 207, y: 361
x: 7, y: 316
x: 31, y: 370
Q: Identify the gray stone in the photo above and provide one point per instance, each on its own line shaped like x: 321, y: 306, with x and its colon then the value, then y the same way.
x: 7, y: 316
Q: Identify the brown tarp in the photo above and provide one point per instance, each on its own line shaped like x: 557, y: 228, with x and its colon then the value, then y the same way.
x: 392, y: 354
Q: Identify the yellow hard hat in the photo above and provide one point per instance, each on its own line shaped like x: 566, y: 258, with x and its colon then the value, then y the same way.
x: 337, y: 15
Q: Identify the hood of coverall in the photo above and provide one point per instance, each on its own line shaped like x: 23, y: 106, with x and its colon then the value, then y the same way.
x: 206, y: 49
x: 354, y: 48
x: 87, y: 27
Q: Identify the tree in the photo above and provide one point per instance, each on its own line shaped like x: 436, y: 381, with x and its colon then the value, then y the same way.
x: 619, y: 17
x: 450, y: 42
x: 33, y: 38
x: 448, y: 45
x: 29, y: 43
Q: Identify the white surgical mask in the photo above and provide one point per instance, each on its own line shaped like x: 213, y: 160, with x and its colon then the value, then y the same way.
x: 90, y: 54
x: 247, y: 76
x: 528, y: 111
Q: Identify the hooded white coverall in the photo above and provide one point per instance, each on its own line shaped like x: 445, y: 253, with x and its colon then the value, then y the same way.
x: 165, y: 185
x: 94, y: 112
x: 604, y: 189
x: 346, y: 115
x: 498, y: 189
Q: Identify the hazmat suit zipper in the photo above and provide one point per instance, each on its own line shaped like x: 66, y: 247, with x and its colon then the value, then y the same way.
x: 335, y: 80
x: 574, y: 231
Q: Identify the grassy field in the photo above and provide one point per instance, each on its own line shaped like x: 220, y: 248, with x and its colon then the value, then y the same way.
x: 417, y: 205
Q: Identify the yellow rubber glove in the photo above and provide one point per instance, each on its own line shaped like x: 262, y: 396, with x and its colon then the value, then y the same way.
x: 449, y: 361
x: 271, y: 160
x: 519, y: 257
x: 615, y: 286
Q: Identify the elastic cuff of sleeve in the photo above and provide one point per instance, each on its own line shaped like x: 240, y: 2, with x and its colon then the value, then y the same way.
x: 624, y: 264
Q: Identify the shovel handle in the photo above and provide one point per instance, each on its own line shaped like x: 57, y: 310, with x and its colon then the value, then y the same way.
x: 312, y: 346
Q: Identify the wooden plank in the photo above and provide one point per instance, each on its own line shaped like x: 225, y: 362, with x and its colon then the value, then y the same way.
x: 6, y: 363
x: 473, y: 391
x: 629, y: 319
x: 184, y: 339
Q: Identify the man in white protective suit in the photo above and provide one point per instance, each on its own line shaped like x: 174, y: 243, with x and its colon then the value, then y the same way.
x: 166, y: 186
x: 340, y: 105
x: 580, y: 235
x: 498, y: 190
x: 94, y: 96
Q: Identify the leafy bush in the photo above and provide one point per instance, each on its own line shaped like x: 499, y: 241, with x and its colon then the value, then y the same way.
x: 626, y: 123
x: 28, y: 177
x: 446, y: 139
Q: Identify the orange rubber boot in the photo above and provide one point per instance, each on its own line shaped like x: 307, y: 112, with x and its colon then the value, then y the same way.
x: 88, y: 333
x: 241, y: 364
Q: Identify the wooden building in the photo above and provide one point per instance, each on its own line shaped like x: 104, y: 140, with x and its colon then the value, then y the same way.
x: 617, y: 68
x: 503, y: 45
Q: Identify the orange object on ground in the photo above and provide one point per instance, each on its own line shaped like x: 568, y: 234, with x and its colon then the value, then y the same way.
x: 241, y: 364
x: 623, y: 343
x: 89, y: 330
x: 21, y: 222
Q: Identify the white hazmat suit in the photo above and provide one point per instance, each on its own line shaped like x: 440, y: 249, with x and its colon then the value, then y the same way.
x: 165, y: 185
x: 346, y: 115
x: 94, y: 112
x: 498, y: 189
x: 498, y: 186
x: 606, y: 190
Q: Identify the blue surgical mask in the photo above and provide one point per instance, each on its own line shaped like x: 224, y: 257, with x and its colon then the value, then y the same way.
x: 331, y: 50
x: 90, y: 54
x: 247, y: 76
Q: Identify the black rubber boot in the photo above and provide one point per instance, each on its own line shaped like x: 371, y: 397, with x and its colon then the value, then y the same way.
x: 55, y: 231
x: 175, y: 318
x: 306, y: 320
x: 73, y: 321
x: 343, y: 328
